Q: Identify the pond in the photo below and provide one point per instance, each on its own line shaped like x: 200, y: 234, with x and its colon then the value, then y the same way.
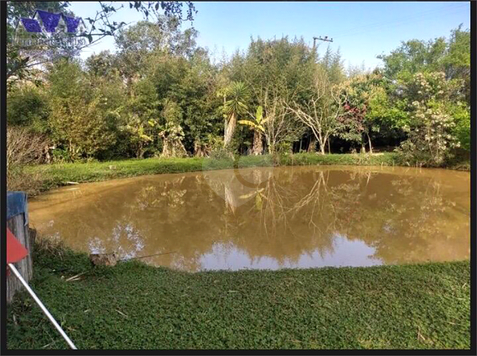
x: 266, y: 218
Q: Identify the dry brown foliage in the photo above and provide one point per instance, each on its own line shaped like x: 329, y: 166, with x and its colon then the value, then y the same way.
x: 24, y: 148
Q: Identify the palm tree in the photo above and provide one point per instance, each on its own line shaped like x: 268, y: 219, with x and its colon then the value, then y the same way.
x: 258, y: 130
x: 235, y: 99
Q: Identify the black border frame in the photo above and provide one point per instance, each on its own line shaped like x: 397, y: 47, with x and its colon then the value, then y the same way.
x: 473, y: 309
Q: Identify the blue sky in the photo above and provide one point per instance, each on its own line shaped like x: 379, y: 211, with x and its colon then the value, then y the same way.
x: 361, y: 30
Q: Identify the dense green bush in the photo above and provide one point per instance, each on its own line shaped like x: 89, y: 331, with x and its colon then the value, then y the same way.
x: 430, y: 143
x: 433, y: 136
x: 28, y: 106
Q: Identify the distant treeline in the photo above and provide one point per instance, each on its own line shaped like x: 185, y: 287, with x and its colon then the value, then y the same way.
x: 161, y: 95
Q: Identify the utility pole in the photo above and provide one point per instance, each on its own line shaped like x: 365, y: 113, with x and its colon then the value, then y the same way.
x: 325, y: 39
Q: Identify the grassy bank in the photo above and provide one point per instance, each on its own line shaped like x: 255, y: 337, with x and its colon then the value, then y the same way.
x: 134, y: 306
x: 56, y: 175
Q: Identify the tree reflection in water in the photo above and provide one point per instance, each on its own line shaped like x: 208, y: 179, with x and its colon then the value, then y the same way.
x: 267, y: 217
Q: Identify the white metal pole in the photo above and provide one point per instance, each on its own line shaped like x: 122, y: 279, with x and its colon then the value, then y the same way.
x: 38, y: 301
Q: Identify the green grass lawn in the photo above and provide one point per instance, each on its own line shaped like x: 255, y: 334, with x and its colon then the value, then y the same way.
x: 55, y: 175
x: 44, y: 177
x: 134, y: 306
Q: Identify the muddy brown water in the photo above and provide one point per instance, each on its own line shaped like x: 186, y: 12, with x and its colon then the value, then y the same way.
x: 266, y: 218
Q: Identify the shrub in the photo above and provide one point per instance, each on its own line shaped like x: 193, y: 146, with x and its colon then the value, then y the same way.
x: 281, y: 151
x: 431, y: 141
x: 221, y: 153
x: 172, y: 137
x: 461, y: 115
x: 81, y: 128
x: 23, y: 148
x: 28, y: 106
x: 217, y: 150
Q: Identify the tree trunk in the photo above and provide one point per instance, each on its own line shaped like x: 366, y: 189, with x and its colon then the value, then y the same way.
x: 369, y: 143
x: 257, y: 143
x: 322, y: 147
x: 271, y: 148
x: 230, y: 198
x: 329, y: 146
x: 139, y: 151
x: 312, y: 145
x: 200, y: 150
x: 229, y: 131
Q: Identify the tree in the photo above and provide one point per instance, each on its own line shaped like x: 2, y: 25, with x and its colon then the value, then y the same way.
x: 414, y: 56
x: 79, y: 125
x: 430, y: 140
x: 321, y: 110
x: 66, y: 79
x: 80, y: 119
x: 427, y: 59
x: 183, y: 75
x: 278, y: 127
x: 451, y: 56
x: 28, y: 106
x: 144, y: 42
x: 333, y: 66
x: 387, y: 114
x: 235, y: 97
x: 256, y: 124
x: 172, y: 136
x: 431, y: 133
x: 461, y: 114
x: 142, y: 117
x: 276, y: 71
x: 21, y: 62
x: 456, y: 62
x: 19, y: 65
x: 195, y: 94
x: 102, y: 65
x: 362, y: 110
